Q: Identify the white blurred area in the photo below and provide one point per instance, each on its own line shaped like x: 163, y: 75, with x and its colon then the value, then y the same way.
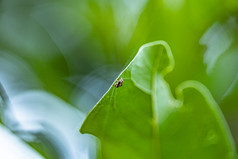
x: 221, y: 57
x: 38, y: 111
x: 11, y: 147
x: 36, y: 116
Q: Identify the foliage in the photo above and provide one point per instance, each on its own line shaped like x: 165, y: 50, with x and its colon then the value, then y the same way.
x: 58, y: 58
x: 141, y: 119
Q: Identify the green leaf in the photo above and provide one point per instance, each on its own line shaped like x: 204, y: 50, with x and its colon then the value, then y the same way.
x: 141, y: 119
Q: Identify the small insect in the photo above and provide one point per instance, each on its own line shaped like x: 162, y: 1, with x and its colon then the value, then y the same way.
x: 119, y: 83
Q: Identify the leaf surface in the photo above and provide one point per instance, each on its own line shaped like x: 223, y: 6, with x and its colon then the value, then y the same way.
x: 141, y: 119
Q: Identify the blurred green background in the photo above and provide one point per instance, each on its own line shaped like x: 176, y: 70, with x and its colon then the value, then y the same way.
x: 58, y: 57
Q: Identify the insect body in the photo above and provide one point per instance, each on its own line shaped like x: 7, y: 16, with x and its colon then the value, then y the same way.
x: 119, y: 83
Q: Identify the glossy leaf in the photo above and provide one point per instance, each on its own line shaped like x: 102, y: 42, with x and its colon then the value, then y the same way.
x: 141, y: 119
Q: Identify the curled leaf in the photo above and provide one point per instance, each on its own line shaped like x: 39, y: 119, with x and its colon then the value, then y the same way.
x: 142, y: 119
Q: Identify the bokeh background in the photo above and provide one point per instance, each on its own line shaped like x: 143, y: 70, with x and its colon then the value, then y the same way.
x: 58, y: 57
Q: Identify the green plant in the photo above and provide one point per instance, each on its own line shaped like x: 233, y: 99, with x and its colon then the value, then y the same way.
x: 141, y: 119
x: 58, y: 58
